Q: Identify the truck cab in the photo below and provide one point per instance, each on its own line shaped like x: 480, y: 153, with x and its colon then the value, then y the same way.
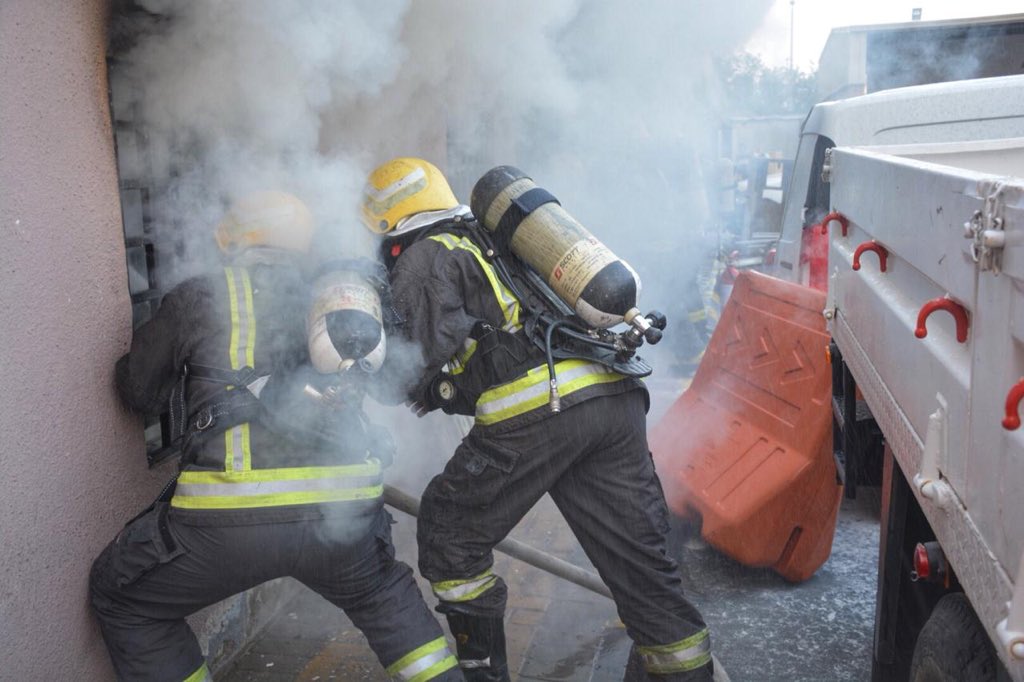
x: 962, y: 111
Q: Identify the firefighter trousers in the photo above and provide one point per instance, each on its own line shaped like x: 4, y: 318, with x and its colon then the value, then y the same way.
x: 159, y: 570
x: 594, y: 462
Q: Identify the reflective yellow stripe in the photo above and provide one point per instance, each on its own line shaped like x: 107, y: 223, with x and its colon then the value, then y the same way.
x: 506, y: 300
x: 241, y: 351
x: 445, y: 664
x: 424, y: 663
x: 686, y: 654
x: 238, y: 486
x: 457, y: 365
x: 250, y: 310
x: 236, y: 439
x: 530, y: 392
x: 233, y: 302
x: 369, y: 468
x: 202, y: 674
x: 276, y: 499
x: 278, y: 487
x: 464, y: 589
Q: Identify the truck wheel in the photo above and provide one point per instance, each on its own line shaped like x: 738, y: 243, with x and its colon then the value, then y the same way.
x: 953, y: 645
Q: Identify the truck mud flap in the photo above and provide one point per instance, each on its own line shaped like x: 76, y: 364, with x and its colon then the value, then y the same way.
x: 748, y: 446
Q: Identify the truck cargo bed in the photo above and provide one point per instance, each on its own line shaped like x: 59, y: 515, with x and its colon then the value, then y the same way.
x: 925, y: 225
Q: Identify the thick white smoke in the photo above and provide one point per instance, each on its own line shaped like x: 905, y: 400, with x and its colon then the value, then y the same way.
x: 606, y: 102
x: 231, y: 97
x: 611, y: 106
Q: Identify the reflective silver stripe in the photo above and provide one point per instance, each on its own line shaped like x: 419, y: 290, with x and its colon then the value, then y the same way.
x: 457, y: 590
x: 241, y: 352
x: 416, y: 667
x: 274, y: 487
x: 686, y: 654
x: 246, y: 323
x: 385, y: 193
x: 423, y: 663
x: 457, y: 363
x: 540, y: 388
x: 475, y: 663
x: 237, y: 434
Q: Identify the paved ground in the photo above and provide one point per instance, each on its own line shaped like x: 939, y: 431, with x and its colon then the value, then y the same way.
x: 764, y: 629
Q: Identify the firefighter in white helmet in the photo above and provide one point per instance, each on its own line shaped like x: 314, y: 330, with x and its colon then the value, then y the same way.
x: 591, y: 457
x: 269, y: 486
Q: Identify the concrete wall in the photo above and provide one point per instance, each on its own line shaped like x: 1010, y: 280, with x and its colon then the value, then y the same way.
x: 72, y: 467
x: 72, y: 461
x: 71, y: 464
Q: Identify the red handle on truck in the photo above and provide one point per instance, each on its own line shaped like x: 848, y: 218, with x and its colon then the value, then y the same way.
x: 883, y: 254
x: 835, y: 215
x: 1011, y: 421
x: 958, y: 312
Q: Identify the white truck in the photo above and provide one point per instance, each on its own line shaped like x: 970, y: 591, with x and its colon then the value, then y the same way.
x: 921, y: 191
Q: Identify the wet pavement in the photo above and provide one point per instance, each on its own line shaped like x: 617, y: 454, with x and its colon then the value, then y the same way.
x: 763, y: 628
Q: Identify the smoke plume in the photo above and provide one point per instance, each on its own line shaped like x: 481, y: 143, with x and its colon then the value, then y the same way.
x: 610, y: 106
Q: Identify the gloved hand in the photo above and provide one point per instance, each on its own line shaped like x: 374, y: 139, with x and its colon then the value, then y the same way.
x: 440, y: 393
x: 418, y: 408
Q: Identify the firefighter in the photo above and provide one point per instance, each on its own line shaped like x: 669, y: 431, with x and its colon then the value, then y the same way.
x: 251, y: 503
x: 591, y: 457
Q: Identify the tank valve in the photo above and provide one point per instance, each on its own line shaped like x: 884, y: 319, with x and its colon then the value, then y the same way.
x: 644, y: 328
x: 657, y: 319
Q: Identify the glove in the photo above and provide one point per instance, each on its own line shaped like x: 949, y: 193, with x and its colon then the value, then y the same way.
x: 440, y: 393
x: 418, y: 408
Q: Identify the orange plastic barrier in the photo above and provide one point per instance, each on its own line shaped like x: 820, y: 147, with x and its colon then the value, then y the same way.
x: 749, y: 445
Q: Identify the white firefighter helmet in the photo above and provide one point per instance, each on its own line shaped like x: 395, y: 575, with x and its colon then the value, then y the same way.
x: 269, y: 218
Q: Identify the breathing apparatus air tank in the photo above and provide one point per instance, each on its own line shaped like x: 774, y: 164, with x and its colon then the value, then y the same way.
x: 344, y: 324
x: 600, y: 287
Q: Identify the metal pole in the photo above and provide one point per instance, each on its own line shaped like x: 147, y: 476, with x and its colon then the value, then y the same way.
x: 404, y: 502
x: 791, y: 32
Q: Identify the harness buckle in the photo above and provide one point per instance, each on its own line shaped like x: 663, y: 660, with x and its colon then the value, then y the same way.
x: 204, y: 420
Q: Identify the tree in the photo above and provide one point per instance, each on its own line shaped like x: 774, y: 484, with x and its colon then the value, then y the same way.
x: 750, y: 88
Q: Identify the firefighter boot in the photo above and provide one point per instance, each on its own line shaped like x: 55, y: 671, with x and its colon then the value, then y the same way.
x: 480, y: 643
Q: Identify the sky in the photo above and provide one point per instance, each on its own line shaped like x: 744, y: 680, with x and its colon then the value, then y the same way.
x: 814, y: 19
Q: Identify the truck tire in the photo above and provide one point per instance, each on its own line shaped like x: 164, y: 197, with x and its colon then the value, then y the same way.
x: 953, y: 645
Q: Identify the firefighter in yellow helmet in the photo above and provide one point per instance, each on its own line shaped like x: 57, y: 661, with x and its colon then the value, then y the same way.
x: 259, y: 496
x: 591, y: 457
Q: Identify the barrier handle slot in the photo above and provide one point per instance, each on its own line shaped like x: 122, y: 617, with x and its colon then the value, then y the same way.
x: 958, y: 312
x: 835, y: 215
x: 883, y: 254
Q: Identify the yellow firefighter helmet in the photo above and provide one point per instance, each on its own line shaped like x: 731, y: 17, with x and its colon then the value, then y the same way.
x: 274, y: 219
x: 400, y: 188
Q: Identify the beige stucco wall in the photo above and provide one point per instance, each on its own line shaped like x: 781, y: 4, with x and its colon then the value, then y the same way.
x: 71, y: 463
